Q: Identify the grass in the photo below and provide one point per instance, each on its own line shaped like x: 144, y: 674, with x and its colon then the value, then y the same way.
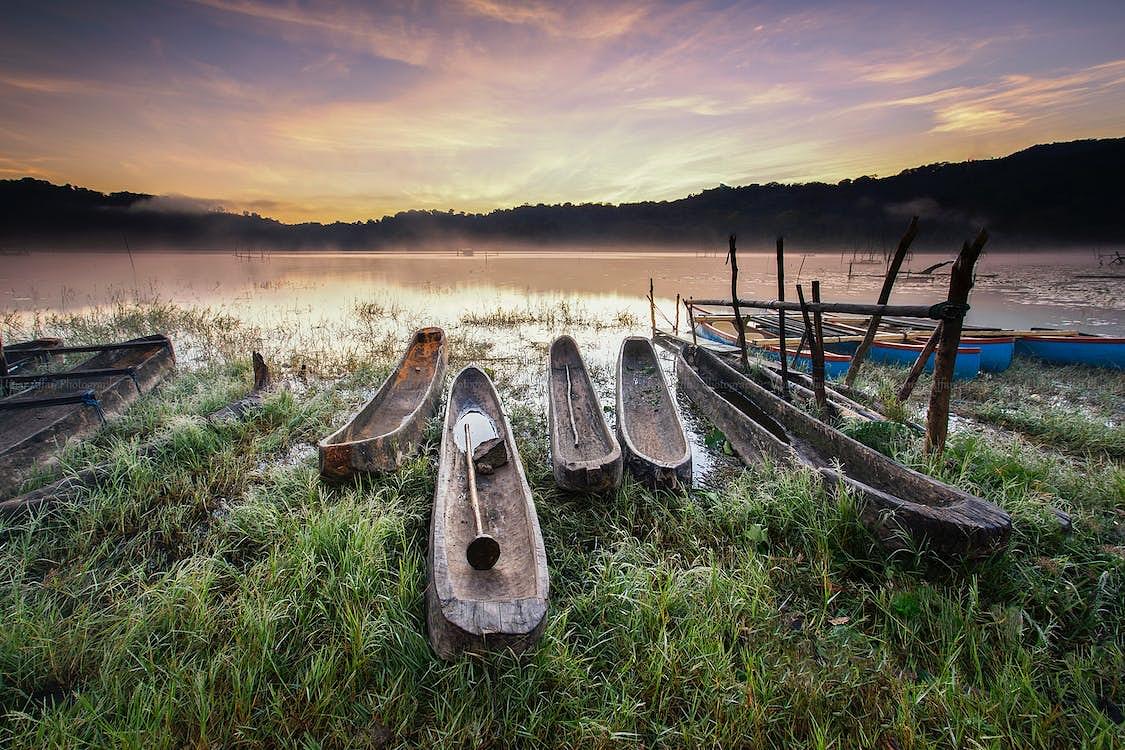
x: 217, y: 594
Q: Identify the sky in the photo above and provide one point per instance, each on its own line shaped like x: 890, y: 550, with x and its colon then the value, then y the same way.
x: 353, y: 110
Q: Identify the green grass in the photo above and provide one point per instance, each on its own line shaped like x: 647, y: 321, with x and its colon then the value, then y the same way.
x: 217, y: 594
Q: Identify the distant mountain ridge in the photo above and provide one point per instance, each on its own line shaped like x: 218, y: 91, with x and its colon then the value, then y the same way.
x: 1047, y: 195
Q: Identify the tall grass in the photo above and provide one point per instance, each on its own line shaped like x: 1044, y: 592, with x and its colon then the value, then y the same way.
x: 216, y: 594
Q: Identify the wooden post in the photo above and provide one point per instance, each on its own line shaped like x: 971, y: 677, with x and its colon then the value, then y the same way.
x: 818, y: 385
x: 781, y: 318
x: 816, y: 349
x: 919, y: 365
x: 960, y: 284
x: 3, y: 369
x: 884, y: 297
x: 651, y: 307
x: 676, y: 327
x: 740, y: 324
x: 691, y: 321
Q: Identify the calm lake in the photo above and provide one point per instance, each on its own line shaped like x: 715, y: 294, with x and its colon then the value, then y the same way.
x: 1013, y: 290
x: 309, y: 307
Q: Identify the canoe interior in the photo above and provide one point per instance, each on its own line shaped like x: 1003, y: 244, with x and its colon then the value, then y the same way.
x: 585, y: 453
x: 897, y: 501
x: 30, y: 436
x: 405, y: 389
x: 505, y: 605
x: 648, y: 416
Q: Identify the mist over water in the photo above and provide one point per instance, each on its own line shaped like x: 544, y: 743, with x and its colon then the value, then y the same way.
x: 1013, y: 290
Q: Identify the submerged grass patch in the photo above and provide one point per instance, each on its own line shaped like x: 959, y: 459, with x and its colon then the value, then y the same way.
x: 216, y: 594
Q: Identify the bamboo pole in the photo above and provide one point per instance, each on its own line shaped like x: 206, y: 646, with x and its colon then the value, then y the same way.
x: 691, y: 322
x: 818, y: 383
x: 676, y: 326
x: 884, y: 298
x: 960, y: 284
x: 919, y: 365
x: 781, y: 317
x: 3, y: 369
x: 740, y: 324
x: 816, y: 349
x: 940, y: 311
x: 651, y: 307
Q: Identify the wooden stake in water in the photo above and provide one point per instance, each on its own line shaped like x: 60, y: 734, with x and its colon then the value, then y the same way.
x: 483, y: 552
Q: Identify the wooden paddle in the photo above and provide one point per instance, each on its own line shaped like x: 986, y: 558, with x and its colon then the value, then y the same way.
x: 483, y: 552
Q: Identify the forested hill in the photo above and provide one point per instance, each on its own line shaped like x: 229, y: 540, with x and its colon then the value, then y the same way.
x: 1049, y: 195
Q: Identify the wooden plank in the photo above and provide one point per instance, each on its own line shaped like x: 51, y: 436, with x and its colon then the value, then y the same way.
x: 939, y: 311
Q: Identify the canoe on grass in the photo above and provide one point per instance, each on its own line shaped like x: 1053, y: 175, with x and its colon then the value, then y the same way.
x: 902, y: 507
x: 389, y: 428
x: 585, y: 455
x: 1097, y: 351
x: 17, y: 358
x: 36, y: 423
x: 652, y: 436
x: 505, y: 605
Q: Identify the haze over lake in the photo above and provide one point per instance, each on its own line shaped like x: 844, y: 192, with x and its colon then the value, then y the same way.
x: 1013, y: 290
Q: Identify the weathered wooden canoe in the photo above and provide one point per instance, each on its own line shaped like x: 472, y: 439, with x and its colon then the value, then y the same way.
x: 505, y: 606
x: 36, y: 423
x: 389, y: 427
x: 585, y: 455
x: 649, y: 427
x: 902, y: 507
x: 73, y: 485
x: 17, y: 358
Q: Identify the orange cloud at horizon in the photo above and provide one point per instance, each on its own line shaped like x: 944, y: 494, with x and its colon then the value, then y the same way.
x: 329, y: 110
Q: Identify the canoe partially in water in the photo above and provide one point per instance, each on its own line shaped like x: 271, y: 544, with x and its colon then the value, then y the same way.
x: 585, y: 456
x: 1096, y: 351
x: 389, y: 428
x: 505, y: 606
x: 648, y: 426
x: 902, y: 507
x: 35, y: 424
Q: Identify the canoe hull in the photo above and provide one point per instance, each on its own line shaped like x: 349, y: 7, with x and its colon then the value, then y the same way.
x: 505, y: 607
x: 30, y: 438
x: 903, y: 508
x: 836, y: 363
x: 966, y: 366
x: 995, y: 353
x: 649, y: 428
x: 1094, y: 351
x: 388, y: 430
x: 592, y: 460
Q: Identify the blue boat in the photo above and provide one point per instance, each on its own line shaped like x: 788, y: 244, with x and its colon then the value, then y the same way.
x: 995, y: 352
x: 835, y: 365
x: 1097, y: 351
x: 966, y: 366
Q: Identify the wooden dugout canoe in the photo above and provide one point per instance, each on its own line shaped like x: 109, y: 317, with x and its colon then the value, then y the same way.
x: 17, y: 359
x: 389, y: 427
x: 652, y: 436
x: 902, y: 507
x: 36, y: 423
x: 505, y: 606
x: 585, y: 455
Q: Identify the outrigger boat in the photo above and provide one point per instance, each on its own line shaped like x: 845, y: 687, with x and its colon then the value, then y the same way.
x: 488, y: 584
x: 902, y: 507
x: 389, y: 428
x: 585, y: 456
x: 36, y: 423
x: 649, y: 427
